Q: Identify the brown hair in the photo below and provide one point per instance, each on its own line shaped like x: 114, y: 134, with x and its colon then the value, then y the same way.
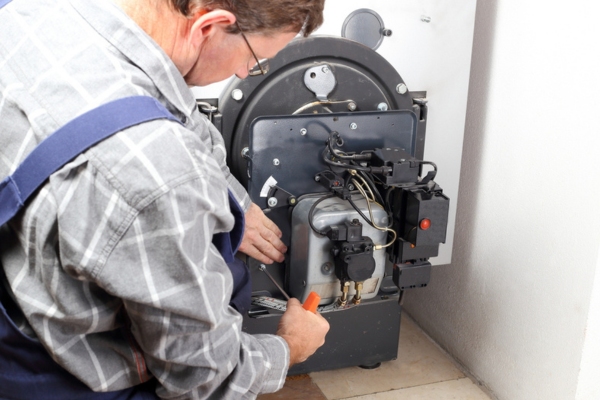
x: 263, y: 16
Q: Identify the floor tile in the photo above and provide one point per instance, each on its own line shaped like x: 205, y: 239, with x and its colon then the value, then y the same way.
x: 299, y: 387
x: 419, y: 362
x: 459, y: 389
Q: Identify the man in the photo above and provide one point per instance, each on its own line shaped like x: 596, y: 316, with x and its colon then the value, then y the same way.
x: 112, y: 262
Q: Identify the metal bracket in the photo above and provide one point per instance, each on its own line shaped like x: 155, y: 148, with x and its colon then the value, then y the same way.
x: 320, y: 80
x: 279, y: 197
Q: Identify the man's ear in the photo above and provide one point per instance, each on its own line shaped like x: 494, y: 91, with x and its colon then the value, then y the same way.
x: 209, y: 23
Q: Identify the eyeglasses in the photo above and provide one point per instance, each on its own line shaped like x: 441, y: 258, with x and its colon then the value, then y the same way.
x: 262, y: 66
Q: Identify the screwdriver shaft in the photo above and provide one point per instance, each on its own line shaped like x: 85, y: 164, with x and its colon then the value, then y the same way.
x: 263, y: 268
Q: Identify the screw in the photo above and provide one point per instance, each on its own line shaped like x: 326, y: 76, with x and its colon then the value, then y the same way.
x: 303, y: 131
x: 350, y: 187
x: 237, y: 94
x: 325, y: 69
x: 276, y: 161
x: 353, y: 126
x: 317, y: 178
x: 246, y: 152
x: 382, y: 106
x: 352, y: 106
x: 386, y: 32
x: 401, y: 88
x: 425, y: 19
x: 272, y: 202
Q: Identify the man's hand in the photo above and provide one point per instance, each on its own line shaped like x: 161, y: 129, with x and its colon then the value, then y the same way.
x: 304, y: 331
x: 262, y: 237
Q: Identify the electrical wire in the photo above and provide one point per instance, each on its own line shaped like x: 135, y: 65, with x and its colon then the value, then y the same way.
x: 372, y: 221
x: 342, y: 165
x: 320, y: 103
x: 312, y: 211
x: 372, y: 185
x: 335, y: 136
x: 358, y: 210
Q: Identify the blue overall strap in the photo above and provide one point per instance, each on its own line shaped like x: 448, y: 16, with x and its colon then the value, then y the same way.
x: 4, y: 2
x: 69, y: 141
x: 228, y: 244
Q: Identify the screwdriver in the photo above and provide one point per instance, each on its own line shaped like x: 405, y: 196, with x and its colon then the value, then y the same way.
x: 312, y: 301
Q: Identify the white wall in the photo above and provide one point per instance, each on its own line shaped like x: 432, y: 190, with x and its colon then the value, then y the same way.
x: 518, y: 305
x: 589, y: 384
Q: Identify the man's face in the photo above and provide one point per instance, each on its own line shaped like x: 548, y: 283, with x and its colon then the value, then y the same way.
x: 228, y: 54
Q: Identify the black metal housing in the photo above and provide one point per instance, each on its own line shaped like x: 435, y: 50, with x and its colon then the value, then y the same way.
x: 362, y: 75
x: 363, y: 335
x: 264, y: 139
x: 410, y: 208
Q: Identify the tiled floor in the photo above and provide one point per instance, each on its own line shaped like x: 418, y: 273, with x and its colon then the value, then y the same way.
x: 421, y: 372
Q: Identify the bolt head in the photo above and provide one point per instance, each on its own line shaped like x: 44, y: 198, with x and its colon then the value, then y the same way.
x: 401, y: 88
x: 382, y: 106
x: 303, y: 131
x: 237, y: 94
x: 276, y: 161
x: 353, y: 126
x: 272, y: 202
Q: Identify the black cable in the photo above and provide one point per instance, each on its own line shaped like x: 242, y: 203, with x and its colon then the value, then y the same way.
x: 429, y: 163
x: 312, y: 211
x: 329, y: 144
x: 372, y: 186
x: 340, y: 142
x: 360, y: 212
x: 345, y: 166
x: 387, y: 194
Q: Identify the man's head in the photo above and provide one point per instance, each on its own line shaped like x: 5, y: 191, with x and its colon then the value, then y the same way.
x: 211, y: 40
x: 262, y: 16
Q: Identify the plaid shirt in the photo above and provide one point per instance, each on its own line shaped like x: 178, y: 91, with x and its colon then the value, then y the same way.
x: 112, y: 260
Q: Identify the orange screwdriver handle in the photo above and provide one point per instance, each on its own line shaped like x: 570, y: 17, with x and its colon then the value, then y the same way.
x: 312, y: 302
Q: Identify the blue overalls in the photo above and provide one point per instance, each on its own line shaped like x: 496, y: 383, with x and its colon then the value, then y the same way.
x: 26, y: 369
